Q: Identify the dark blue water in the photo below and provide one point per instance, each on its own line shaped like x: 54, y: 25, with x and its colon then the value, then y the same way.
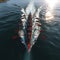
x: 47, y: 46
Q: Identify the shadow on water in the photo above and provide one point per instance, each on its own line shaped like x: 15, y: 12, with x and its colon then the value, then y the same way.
x: 9, y: 18
x: 1, y: 1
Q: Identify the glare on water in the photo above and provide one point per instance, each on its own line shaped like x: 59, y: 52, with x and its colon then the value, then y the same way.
x: 51, y: 3
x: 49, y: 16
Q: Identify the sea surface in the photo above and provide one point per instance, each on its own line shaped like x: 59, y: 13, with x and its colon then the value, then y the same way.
x: 47, y: 46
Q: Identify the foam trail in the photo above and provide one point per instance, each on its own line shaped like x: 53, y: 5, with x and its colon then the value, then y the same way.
x: 30, y: 8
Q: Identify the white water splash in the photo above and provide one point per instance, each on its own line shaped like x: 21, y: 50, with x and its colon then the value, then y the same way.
x: 35, y: 17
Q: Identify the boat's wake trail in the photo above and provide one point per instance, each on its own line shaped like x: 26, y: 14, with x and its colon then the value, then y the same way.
x: 31, y: 26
